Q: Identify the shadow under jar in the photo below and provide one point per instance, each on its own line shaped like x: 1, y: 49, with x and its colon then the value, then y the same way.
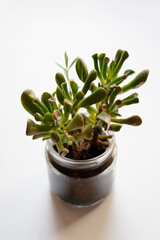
x: 81, y: 183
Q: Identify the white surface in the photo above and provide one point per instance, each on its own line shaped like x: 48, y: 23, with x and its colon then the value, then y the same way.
x: 35, y: 34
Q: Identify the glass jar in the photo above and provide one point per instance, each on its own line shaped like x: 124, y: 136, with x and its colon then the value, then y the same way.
x: 81, y: 183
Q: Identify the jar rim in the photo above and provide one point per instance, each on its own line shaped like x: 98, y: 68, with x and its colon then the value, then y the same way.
x: 81, y: 164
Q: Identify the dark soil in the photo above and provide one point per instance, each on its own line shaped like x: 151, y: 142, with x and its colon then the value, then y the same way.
x: 85, y: 173
x: 85, y: 154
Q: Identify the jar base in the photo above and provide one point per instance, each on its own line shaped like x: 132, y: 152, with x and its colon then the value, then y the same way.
x: 80, y: 205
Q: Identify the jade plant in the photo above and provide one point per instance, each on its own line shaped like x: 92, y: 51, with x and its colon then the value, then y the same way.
x: 79, y: 121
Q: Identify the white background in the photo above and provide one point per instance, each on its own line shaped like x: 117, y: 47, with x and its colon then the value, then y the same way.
x: 33, y: 35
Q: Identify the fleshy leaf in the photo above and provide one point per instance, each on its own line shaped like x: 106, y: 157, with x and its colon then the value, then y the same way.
x: 130, y: 101
x: 104, y: 70
x: 59, y: 79
x: 81, y: 69
x: 74, y: 87
x: 129, y: 72
x: 114, y: 94
x: 49, y: 117
x: 53, y: 103
x: 95, y: 59
x: 39, y: 117
x: 55, y: 137
x: 105, y: 117
x: 101, y: 60
x: 65, y: 91
x: 42, y: 135
x: 133, y: 120
x: 44, y: 98
x: 118, y: 80
x: 95, y: 97
x: 78, y: 97
x: 67, y: 110
x: 115, y: 127
x: 33, y: 128
x: 118, y: 55
x: 27, y: 98
x: 137, y: 81
x: 91, y: 77
x: 77, y: 122
x: 60, y: 95
x: 119, y: 64
x: 37, y: 102
x: 57, y: 115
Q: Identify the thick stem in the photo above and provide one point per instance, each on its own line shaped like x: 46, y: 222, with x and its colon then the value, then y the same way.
x: 76, y: 153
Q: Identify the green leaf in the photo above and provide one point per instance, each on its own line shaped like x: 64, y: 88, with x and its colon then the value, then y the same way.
x: 97, y: 96
x: 53, y: 103
x: 137, y: 81
x: 129, y: 101
x: 129, y: 72
x: 133, y: 95
x: 105, y: 117
x: 101, y: 61
x: 104, y: 70
x: 81, y: 69
x: 115, y: 127
x: 61, y: 66
x: 37, y: 102
x: 44, y: 98
x: 87, y: 132
x: 112, y: 66
x: 111, y: 88
x: 39, y: 117
x: 60, y: 96
x: 27, y: 98
x: 34, y: 129
x: 67, y: 110
x: 49, y: 117
x: 93, y: 87
x: 77, y: 122
x: 42, y: 135
x: 118, y: 66
x: 91, y: 110
x: 91, y: 77
x: 57, y: 115
x: 65, y: 91
x: 118, y: 55
x: 95, y: 59
x: 114, y: 94
x: 116, y: 105
x: 74, y: 87
x: 66, y: 59
x: 118, y: 80
x: 78, y: 97
x: 61, y: 149
x: 115, y: 114
x: 55, y: 137
x: 87, y: 120
x: 73, y: 62
x: 54, y: 93
x: 133, y: 120
x: 59, y: 79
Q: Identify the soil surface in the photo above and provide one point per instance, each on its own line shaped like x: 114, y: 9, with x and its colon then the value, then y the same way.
x: 85, y: 173
x: 85, y: 154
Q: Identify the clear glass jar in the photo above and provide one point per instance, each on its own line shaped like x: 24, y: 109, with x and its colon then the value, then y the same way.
x: 81, y: 183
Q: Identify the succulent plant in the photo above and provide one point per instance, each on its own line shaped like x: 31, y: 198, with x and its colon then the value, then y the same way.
x: 77, y: 120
